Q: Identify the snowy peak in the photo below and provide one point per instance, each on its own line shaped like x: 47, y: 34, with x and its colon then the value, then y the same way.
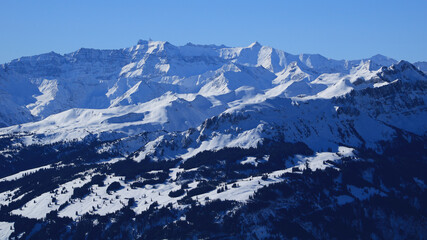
x: 91, y: 55
x: 42, y: 58
x: 255, y: 45
x: 142, y: 42
x: 38, y: 65
x: 382, y: 60
x: 403, y: 66
x: 51, y: 83
x: 205, y: 140
x: 363, y: 66
x: 402, y: 70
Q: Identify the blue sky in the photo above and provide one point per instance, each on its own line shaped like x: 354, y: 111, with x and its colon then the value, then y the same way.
x: 341, y: 29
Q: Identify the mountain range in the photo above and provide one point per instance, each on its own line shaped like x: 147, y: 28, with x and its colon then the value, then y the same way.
x: 204, y: 141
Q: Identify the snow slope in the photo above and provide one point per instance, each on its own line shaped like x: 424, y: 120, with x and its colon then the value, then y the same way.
x: 178, y: 103
x: 173, y: 126
x: 38, y: 86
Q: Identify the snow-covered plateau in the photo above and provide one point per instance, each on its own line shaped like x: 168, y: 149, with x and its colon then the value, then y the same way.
x: 158, y: 141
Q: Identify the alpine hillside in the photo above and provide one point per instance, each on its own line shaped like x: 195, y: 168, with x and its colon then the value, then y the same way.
x: 158, y: 141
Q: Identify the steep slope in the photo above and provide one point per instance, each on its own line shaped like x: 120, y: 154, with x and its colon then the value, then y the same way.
x: 227, y: 89
x: 89, y: 78
x: 161, y: 141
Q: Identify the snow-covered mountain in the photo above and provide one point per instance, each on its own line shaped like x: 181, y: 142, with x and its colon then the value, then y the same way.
x: 141, y: 85
x: 157, y: 132
x: 98, y: 79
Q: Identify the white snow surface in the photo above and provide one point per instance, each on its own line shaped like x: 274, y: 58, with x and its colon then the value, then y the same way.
x: 43, y: 204
x: 100, y: 202
x: 23, y: 173
x: 163, y: 101
x: 6, y: 229
x: 158, y: 86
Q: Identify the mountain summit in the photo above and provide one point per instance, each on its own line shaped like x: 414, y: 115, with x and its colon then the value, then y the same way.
x: 158, y: 141
x: 88, y: 78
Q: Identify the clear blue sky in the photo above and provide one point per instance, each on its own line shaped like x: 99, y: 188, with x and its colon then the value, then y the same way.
x: 341, y: 29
